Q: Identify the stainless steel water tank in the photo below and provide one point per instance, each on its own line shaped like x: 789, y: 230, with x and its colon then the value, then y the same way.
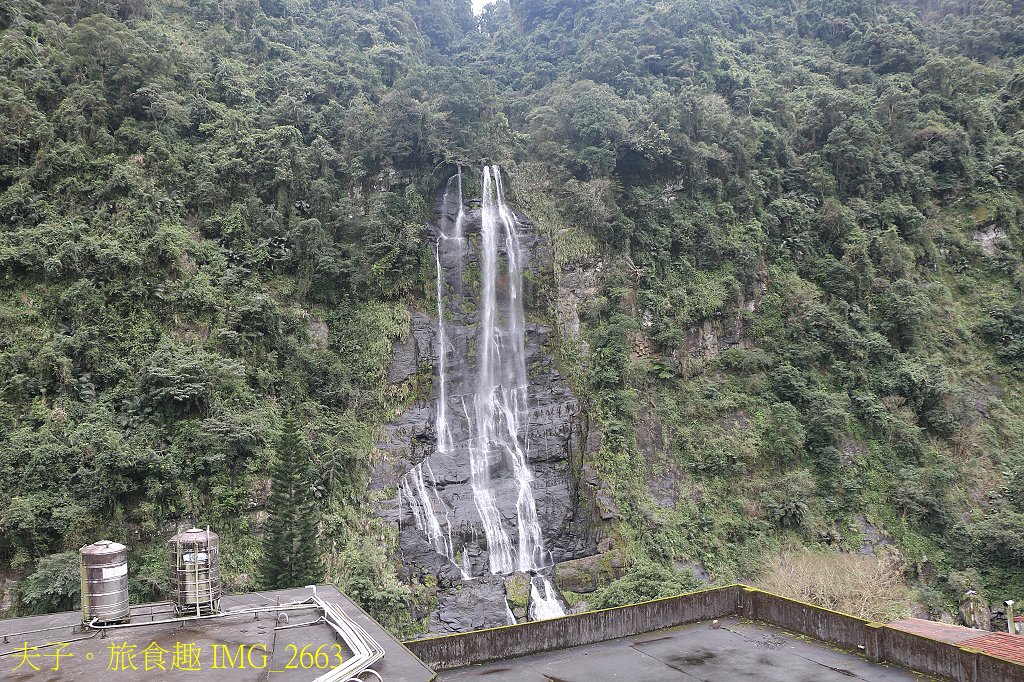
x: 104, y: 582
x: 195, y: 572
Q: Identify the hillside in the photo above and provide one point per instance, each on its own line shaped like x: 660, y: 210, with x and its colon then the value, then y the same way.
x: 782, y: 274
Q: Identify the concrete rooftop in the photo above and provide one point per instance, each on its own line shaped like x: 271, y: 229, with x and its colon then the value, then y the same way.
x: 738, y: 650
x: 110, y: 655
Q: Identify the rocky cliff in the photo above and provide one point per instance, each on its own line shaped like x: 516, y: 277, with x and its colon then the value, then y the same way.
x: 555, y: 438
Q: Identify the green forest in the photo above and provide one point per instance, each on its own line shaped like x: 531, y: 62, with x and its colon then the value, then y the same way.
x: 214, y: 229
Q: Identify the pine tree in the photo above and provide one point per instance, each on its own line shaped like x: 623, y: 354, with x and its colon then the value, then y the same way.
x: 291, y: 555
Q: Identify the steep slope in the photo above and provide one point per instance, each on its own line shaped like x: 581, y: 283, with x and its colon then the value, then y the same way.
x: 208, y: 222
x: 777, y: 255
x: 806, y: 221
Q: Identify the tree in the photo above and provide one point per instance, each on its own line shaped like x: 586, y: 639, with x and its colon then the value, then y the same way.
x: 291, y: 555
x: 902, y: 310
x: 55, y: 585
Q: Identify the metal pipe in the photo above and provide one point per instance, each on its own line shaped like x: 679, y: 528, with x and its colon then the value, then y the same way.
x: 372, y: 672
x: 32, y: 632
x: 49, y: 644
x: 365, y: 649
x: 223, y: 614
x: 318, y: 621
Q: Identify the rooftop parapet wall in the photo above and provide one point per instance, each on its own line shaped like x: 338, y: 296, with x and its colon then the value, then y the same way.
x: 931, y: 656
x: 481, y: 646
x: 878, y: 642
x: 993, y: 668
x: 796, y: 616
x: 875, y: 641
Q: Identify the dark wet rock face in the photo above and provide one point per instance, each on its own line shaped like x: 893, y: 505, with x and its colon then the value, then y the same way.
x: 471, y: 605
x: 554, y: 445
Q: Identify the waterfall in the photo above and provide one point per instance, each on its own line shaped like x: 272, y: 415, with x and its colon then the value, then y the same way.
x: 414, y: 484
x: 544, y: 606
x: 441, y: 427
x: 490, y: 441
x: 494, y: 419
x: 415, y: 487
x: 501, y: 414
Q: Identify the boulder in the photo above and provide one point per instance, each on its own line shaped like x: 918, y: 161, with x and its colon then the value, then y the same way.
x: 517, y: 593
x: 586, y: 575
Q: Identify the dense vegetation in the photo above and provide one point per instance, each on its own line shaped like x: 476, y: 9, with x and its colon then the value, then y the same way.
x: 213, y: 214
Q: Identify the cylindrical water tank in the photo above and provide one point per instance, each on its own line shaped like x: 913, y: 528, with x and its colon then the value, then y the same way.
x: 104, y: 582
x: 195, y: 571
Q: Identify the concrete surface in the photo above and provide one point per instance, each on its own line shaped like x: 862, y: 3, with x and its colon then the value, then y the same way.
x: 739, y: 650
x: 94, y: 656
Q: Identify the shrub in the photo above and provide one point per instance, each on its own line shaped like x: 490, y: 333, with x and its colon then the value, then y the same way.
x: 787, y: 504
x: 54, y: 586
x: 645, y: 581
x: 870, y: 587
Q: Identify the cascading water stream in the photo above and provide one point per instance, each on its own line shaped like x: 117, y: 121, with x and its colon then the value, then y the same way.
x: 502, y: 413
x: 496, y: 418
x: 546, y: 605
x: 490, y: 440
x: 414, y: 484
